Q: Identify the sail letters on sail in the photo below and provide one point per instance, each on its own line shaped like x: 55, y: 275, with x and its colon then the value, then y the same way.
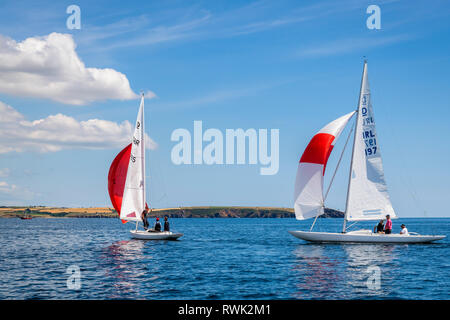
x: 368, y: 198
x: 133, y: 202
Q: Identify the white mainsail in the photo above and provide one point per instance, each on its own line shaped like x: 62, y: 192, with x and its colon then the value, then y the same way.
x: 367, y: 197
x: 133, y: 202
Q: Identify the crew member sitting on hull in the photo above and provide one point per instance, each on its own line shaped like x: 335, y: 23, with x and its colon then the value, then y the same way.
x: 157, y: 225
x: 404, y: 231
x: 166, y: 224
x: 379, y: 228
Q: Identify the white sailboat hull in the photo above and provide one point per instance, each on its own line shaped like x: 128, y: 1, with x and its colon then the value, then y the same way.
x: 146, y: 235
x: 363, y: 236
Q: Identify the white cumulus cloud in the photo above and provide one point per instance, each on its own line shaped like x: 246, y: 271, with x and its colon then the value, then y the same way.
x: 58, y: 132
x: 49, y: 67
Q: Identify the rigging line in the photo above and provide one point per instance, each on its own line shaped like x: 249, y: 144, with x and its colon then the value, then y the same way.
x: 339, y: 162
x: 312, y: 226
x: 351, y: 225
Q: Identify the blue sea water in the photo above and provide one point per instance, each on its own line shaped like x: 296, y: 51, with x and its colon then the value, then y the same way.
x: 216, y: 259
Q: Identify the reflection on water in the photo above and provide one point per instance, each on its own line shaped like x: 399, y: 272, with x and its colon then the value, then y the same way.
x: 359, y: 255
x: 333, y: 271
x: 216, y: 259
x: 316, y: 273
x: 126, y: 265
x: 361, y: 260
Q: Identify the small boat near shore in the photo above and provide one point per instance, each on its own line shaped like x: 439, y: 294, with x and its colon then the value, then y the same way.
x: 367, y: 195
x: 26, y: 215
x: 127, y: 185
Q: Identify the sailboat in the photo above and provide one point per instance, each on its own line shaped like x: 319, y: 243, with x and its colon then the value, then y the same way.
x: 367, y: 194
x: 127, y: 185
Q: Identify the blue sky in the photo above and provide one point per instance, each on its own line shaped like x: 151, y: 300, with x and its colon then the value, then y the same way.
x: 287, y: 65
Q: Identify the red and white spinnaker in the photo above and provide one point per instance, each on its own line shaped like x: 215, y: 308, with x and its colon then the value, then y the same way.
x: 309, y: 201
x: 117, y: 176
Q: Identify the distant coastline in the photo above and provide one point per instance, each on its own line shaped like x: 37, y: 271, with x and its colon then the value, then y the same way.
x: 184, y: 212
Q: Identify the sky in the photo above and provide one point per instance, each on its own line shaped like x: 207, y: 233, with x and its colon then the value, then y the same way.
x: 69, y: 97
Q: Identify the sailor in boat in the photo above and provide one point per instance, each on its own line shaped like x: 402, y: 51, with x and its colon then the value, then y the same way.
x: 166, y: 224
x: 388, y: 226
x: 157, y: 225
x: 379, y: 227
x: 404, y: 231
x: 144, y: 218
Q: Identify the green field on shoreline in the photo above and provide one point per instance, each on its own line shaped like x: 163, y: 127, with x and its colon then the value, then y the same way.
x: 184, y: 212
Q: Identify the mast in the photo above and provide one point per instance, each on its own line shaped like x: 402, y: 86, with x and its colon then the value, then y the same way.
x: 143, y: 152
x: 353, y: 149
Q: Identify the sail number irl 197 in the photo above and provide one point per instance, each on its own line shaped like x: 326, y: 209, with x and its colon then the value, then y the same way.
x: 371, y: 142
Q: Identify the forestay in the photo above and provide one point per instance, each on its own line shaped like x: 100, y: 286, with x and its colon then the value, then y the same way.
x: 368, y: 198
x: 308, y: 193
x: 133, y: 202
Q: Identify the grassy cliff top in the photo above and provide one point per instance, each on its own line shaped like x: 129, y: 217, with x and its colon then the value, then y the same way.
x: 184, y: 212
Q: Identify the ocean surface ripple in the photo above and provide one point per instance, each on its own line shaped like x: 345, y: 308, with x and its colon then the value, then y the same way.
x: 216, y: 259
